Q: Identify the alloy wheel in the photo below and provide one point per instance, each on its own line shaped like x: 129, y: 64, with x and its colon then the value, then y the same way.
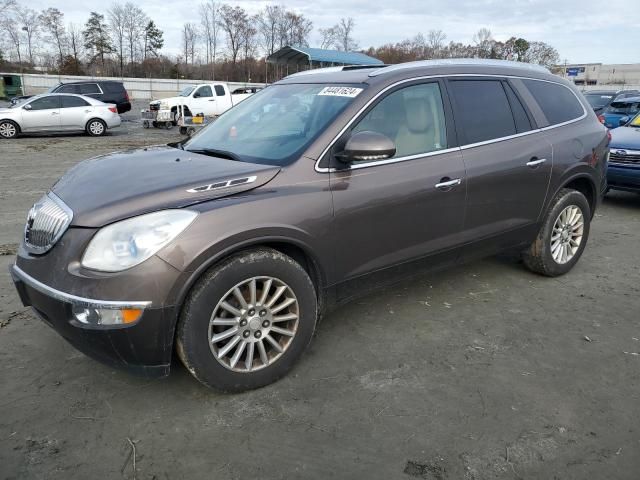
x: 253, y: 324
x: 96, y: 128
x: 567, y: 233
x: 8, y: 130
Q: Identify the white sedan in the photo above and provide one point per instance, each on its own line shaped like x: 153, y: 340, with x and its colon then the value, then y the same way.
x: 58, y: 113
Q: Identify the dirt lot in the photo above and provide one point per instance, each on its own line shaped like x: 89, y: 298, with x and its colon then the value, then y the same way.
x: 485, y: 371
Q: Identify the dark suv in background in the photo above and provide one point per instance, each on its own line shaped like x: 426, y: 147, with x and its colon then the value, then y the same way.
x: 107, y: 91
x: 228, y: 246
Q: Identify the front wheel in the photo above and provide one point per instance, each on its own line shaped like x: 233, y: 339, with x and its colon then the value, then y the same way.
x: 247, y: 321
x: 8, y: 129
x: 96, y: 127
x: 563, y: 235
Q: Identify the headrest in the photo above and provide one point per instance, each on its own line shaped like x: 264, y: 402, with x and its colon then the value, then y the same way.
x: 419, y: 117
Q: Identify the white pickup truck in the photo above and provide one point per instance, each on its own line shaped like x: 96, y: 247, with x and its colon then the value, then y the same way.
x: 210, y: 99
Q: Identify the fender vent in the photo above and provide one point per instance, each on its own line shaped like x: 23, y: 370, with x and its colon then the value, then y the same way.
x: 219, y: 185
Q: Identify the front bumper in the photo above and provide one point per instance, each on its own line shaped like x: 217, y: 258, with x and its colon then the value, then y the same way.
x: 144, y: 347
x: 624, y: 177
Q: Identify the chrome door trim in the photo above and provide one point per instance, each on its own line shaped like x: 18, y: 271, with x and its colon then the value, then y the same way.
x: 447, y: 150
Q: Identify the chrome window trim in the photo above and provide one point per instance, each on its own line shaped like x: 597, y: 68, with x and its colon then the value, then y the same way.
x: 448, y: 150
x: 73, y: 299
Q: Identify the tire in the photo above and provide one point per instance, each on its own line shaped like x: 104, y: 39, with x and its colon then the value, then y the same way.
x: 212, y: 362
x: 154, y: 124
x: 168, y: 125
x: 183, y: 130
x: 546, y: 255
x: 9, y: 129
x: 145, y: 124
x: 96, y: 127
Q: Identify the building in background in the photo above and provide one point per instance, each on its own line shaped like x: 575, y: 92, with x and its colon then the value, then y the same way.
x: 587, y: 74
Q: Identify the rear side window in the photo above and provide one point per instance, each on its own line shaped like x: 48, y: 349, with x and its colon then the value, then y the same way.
x: 89, y: 88
x: 70, y: 102
x: 219, y: 90
x: 112, y: 87
x: 558, y: 103
x: 482, y: 110
x: 67, y: 89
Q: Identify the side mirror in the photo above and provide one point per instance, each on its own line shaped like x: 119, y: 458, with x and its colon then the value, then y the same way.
x: 623, y: 121
x: 196, y: 95
x: 27, y: 107
x: 367, y: 146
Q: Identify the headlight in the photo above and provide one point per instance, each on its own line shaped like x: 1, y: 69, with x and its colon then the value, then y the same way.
x: 130, y: 242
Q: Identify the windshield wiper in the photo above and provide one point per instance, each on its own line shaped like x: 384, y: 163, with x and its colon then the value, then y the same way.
x: 217, y: 153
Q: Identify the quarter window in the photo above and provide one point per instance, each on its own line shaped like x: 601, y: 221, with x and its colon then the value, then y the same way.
x: 412, y: 117
x: 482, y: 110
x: 558, y: 103
x: 219, y: 90
x: 46, y: 103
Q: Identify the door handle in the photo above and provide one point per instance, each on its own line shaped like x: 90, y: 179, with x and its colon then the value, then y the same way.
x: 55, y: 113
x: 446, y: 183
x: 534, y: 162
x: 212, y: 100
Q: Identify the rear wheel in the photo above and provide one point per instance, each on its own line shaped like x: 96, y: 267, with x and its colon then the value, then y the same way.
x: 562, y: 237
x: 96, y: 127
x: 8, y: 129
x: 247, y: 321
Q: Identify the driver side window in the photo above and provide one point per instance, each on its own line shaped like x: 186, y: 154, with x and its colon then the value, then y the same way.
x: 412, y: 117
x: 204, y: 92
x: 46, y: 103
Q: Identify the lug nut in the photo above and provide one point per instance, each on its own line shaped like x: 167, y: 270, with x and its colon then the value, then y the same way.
x: 258, y: 334
x: 243, y: 322
x: 246, y: 333
x: 263, y: 313
x: 265, y: 324
x: 252, y: 312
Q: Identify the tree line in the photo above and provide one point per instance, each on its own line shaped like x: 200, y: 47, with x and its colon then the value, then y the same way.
x: 225, y: 42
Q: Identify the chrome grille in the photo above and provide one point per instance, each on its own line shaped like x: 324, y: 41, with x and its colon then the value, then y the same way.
x: 47, y: 220
x: 629, y: 157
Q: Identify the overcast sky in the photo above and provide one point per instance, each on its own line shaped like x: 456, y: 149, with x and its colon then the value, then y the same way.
x: 581, y: 30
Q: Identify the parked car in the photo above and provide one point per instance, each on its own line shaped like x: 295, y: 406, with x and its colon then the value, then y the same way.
x: 600, y: 99
x: 623, y: 172
x: 228, y: 246
x: 619, y: 109
x: 208, y: 99
x: 107, y: 91
x: 58, y: 113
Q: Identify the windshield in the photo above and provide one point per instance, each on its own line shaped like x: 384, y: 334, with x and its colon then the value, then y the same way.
x: 274, y: 126
x: 186, y: 91
x: 635, y: 122
x: 624, y: 108
x: 597, y: 100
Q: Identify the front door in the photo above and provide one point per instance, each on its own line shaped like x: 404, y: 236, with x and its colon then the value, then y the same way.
x: 407, y: 207
x: 43, y: 114
x: 203, y: 101
x: 507, y: 160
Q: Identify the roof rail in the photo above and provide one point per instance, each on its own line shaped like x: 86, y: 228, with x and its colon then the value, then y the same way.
x: 460, y: 62
x: 345, y: 68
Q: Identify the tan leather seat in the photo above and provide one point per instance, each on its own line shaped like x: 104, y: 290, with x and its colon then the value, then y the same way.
x: 422, y: 130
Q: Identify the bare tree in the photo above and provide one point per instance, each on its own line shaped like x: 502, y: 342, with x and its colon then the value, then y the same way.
x: 75, y: 39
x: 117, y: 15
x: 340, y: 36
x: 435, y: 43
x: 233, y: 21
x: 298, y: 29
x: 135, y: 21
x: 30, y: 24
x: 8, y: 24
x: 51, y: 20
x: 189, y: 38
x: 210, y: 21
x: 484, y: 43
x: 268, y: 25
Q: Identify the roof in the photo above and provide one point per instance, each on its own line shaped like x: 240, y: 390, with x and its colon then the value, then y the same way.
x: 306, y: 55
x: 456, y: 62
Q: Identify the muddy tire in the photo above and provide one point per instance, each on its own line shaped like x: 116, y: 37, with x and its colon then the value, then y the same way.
x: 247, y: 321
x: 562, y: 237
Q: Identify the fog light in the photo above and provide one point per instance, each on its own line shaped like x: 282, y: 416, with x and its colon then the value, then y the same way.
x: 105, y: 316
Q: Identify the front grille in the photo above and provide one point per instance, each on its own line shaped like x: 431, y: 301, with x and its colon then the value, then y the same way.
x: 47, y: 221
x: 628, y: 157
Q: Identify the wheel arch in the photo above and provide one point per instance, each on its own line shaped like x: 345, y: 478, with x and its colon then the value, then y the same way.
x: 12, y: 121
x: 583, y: 182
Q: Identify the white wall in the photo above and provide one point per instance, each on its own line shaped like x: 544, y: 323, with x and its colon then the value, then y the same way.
x: 138, y: 88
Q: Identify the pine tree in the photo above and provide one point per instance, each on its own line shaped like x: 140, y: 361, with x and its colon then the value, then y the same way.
x: 96, y: 37
x: 153, y: 40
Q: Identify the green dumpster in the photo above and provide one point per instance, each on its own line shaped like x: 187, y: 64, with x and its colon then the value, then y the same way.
x: 12, y: 86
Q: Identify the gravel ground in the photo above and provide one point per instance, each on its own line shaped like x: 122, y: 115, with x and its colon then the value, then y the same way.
x: 485, y: 371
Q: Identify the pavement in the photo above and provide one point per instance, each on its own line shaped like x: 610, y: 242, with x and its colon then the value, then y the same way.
x: 484, y: 371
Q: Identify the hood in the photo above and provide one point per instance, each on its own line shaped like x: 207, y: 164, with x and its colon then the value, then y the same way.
x: 625, y: 137
x: 119, y: 185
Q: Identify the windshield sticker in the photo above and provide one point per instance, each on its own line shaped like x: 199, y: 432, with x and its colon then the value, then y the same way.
x: 340, y: 91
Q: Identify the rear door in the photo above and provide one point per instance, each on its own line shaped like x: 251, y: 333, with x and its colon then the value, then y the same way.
x: 43, y: 115
x: 73, y: 112
x: 223, y: 99
x: 507, y: 159
x: 410, y: 206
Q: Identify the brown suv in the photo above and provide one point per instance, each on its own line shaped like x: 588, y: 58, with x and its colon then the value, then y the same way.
x: 229, y: 246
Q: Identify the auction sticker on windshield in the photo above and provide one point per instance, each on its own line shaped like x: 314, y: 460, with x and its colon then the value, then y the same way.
x: 341, y: 91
